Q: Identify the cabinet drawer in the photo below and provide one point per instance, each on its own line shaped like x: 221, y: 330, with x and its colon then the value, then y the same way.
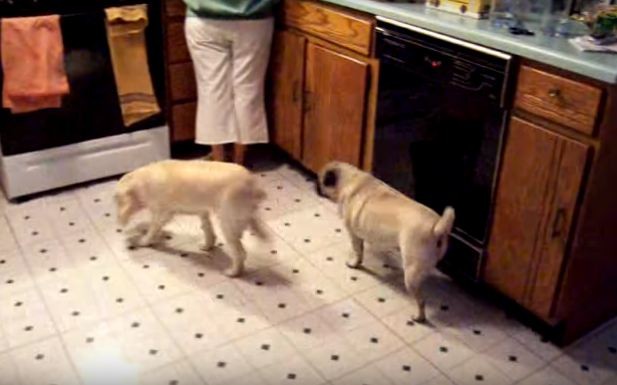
x: 345, y: 28
x: 175, y: 8
x: 177, y: 51
x: 183, y: 121
x: 182, y: 82
x: 565, y: 101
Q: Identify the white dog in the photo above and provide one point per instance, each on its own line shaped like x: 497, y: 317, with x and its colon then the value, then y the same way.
x: 197, y: 187
x: 376, y: 213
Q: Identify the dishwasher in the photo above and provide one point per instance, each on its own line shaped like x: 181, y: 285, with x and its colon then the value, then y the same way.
x: 441, y: 116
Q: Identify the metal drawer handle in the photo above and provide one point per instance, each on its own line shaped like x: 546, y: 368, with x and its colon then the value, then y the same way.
x: 554, y: 93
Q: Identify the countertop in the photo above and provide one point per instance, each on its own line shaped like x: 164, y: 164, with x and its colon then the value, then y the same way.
x: 554, y: 51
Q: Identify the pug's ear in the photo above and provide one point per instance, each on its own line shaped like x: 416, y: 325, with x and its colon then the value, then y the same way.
x: 330, y: 178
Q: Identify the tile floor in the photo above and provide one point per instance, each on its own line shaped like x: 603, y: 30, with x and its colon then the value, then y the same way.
x: 79, y: 307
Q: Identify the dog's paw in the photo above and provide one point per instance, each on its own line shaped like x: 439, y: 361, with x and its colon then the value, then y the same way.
x: 206, y: 246
x: 232, y: 272
x: 353, y: 263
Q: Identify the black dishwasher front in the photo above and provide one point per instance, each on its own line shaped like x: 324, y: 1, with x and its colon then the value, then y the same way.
x: 440, y: 120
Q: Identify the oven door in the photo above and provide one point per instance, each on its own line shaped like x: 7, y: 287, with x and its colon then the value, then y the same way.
x: 436, y: 141
x: 91, y: 110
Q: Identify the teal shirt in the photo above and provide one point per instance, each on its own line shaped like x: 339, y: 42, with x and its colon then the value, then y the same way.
x: 230, y: 9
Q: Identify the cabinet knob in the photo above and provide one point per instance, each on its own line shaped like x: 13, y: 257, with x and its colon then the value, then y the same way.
x: 554, y: 93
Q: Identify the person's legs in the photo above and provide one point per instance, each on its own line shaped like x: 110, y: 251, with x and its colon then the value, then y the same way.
x: 210, y: 43
x: 251, y: 52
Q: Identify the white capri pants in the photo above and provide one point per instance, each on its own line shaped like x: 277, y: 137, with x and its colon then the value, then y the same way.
x: 230, y: 59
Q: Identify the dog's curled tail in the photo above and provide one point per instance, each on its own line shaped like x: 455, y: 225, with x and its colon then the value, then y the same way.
x: 445, y: 223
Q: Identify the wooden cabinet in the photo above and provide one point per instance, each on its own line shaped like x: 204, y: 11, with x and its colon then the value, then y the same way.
x: 286, y: 99
x: 335, y: 98
x: 323, y: 84
x: 541, y: 179
x: 552, y: 239
x: 180, y: 78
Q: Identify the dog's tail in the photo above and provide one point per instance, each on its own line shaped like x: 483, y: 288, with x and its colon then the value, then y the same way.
x: 444, y: 224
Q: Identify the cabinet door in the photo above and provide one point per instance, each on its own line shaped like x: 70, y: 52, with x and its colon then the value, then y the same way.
x: 335, y: 100
x: 538, y: 187
x: 287, y: 74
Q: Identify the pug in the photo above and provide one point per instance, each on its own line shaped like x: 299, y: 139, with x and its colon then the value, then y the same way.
x: 197, y: 187
x: 375, y: 213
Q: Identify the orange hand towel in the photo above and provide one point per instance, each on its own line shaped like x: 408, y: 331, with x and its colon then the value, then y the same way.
x: 32, y: 63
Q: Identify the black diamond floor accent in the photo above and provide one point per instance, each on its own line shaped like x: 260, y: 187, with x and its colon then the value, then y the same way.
x: 375, y: 340
x: 282, y: 306
x: 240, y: 320
x: 612, y: 349
x: 291, y: 376
x: 334, y: 357
x: 265, y: 347
x: 512, y: 358
x: 198, y: 335
x: 479, y: 377
x: 345, y: 315
x: 406, y: 368
x: 584, y: 368
x: 221, y: 364
x: 307, y: 330
x: 443, y: 349
x: 380, y: 299
x: 477, y: 332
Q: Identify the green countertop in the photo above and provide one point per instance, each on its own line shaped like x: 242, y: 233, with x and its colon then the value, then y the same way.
x: 557, y: 52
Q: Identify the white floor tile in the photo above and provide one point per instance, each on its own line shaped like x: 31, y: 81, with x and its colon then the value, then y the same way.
x: 443, y: 351
x: 44, y: 362
x: 546, y: 376
x: 178, y: 373
x: 24, y: 318
x: 265, y: 348
x: 222, y: 365
x: 307, y: 331
x: 369, y: 375
x: 373, y: 340
x: 477, y: 370
x: 335, y: 359
x: 513, y: 359
x: 293, y: 370
x: 9, y: 370
x: 407, y: 367
x: 345, y: 315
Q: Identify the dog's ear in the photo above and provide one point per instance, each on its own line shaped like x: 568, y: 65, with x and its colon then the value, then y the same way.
x: 330, y: 178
